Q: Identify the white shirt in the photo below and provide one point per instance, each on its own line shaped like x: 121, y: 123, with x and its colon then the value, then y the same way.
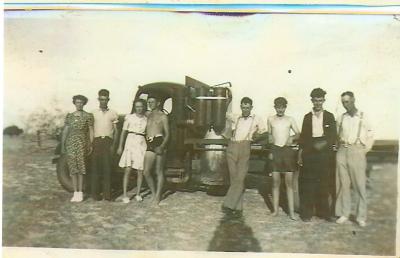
x: 279, y: 128
x: 134, y: 123
x: 104, y: 122
x: 317, y: 124
x: 348, y: 129
x: 245, y: 127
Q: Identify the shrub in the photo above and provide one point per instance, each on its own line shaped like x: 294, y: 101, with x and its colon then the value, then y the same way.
x: 12, y: 130
x: 45, y: 121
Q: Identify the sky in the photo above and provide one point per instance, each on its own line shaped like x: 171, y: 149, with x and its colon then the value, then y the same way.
x: 52, y: 55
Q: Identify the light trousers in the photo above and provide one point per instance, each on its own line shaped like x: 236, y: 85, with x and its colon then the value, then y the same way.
x: 351, y: 164
x: 237, y: 155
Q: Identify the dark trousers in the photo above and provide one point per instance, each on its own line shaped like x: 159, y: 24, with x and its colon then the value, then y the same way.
x: 315, y: 184
x: 100, y: 174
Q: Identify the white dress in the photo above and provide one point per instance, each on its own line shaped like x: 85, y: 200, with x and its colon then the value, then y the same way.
x: 135, y: 145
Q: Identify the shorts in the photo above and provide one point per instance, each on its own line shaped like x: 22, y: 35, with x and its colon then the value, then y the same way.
x: 284, y: 159
x: 154, y: 142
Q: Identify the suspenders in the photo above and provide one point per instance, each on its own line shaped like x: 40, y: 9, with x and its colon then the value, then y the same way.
x: 358, y: 129
x: 248, y: 133
x: 340, y: 127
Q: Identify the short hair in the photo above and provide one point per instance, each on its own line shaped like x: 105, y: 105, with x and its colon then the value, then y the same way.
x: 318, y: 93
x: 246, y: 100
x: 280, y: 101
x: 104, y: 92
x: 139, y: 101
x: 348, y: 93
x: 154, y: 96
x: 80, y: 97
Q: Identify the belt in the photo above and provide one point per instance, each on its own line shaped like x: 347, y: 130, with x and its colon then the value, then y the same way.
x: 150, y: 139
x: 141, y: 134
x: 346, y: 145
x: 241, y: 141
x: 318, y: 138
x: 102, y: 137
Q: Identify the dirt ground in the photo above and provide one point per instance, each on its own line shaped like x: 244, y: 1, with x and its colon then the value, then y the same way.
x: 37, y: 213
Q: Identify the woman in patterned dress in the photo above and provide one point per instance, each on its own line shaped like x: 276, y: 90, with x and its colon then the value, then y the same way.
x: 132, y: 156
x: 76, y: 143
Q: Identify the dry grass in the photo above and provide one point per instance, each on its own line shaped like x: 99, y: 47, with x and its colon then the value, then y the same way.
x: 37, y: 213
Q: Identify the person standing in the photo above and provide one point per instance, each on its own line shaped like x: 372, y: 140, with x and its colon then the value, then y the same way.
x: 132, y: 156
x: 283, y: 156
x: 157, y: 137
x: 76, y: 143
x: 104, y: 143
x: 355, y: 140
x: 317, y: 143
x: 245, y: 127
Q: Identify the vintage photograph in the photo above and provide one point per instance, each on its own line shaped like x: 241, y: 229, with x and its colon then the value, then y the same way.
x: 208, y: 128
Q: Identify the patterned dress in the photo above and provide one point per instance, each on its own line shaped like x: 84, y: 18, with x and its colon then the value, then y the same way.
x: 77, y: 141
x: 135, y: 145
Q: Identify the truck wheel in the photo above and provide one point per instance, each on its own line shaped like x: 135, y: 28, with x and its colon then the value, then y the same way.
x: 63, y: 174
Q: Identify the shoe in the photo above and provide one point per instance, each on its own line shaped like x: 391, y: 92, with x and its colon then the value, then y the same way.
x: 331, y: 219
x: 237, y: 213
x: 361, y: 223
x: 139, y: 198
x: 306, y: 220
x: 342, y: 220
x: 226, y: 210
x: 125, y: 200
x: 97, y: 198
x: 79, y: 197
x: 107, y: 198
x: 74, y: 197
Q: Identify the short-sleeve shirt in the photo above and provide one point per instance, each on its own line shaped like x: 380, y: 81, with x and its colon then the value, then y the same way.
x: 134, y: 123
x: 280, y: 128
x: 104, y: 122
x: 79, y: 123
x: 245, y: 127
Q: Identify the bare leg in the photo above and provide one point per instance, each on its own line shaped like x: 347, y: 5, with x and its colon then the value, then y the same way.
x: 126, y: 180
x: 139, y: 181
x: 160, y: 177
x: 80, y: 182
x: 75, y: 182
x: 289, y: 192
x: 276, y: 182
x: 149, y: 159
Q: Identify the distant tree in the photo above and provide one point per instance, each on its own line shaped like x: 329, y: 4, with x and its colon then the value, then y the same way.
x: 47, y: 121
x: 12, y: 130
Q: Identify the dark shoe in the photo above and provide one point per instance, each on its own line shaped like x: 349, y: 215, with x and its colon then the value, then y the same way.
x: 331, y: 219
x: 107, y: 197
x: 237, y: 213
x: 97, y: 197
x: 226, y: 210
x: 306, y: 219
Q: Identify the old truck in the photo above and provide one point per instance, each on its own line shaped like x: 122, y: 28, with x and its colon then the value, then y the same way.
x: 197, y: 117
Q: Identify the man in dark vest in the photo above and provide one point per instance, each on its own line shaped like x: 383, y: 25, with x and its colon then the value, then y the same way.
x: 316, y: 157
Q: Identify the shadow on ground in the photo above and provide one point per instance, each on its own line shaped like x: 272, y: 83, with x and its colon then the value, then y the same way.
x: 233, y: 235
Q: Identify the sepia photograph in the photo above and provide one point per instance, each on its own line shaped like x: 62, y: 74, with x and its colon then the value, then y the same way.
x: 204, y: 128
